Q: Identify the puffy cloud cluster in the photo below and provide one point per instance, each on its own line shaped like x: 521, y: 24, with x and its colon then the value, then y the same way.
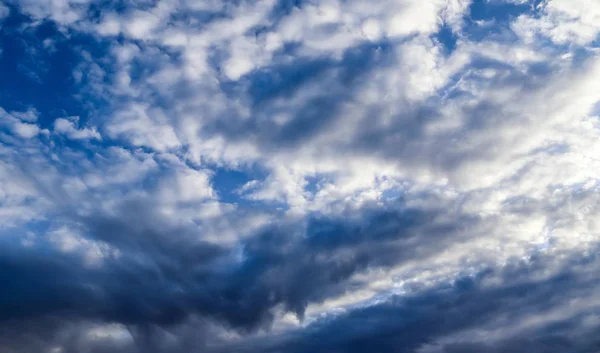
x: 564, y: 22
x: 295, y: 176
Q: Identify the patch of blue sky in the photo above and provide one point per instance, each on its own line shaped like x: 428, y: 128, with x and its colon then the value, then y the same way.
x: 317, y: 182
x: 227, y: 182
x: 492, y: 18
x: 447, y: 38
x: 37, y: 65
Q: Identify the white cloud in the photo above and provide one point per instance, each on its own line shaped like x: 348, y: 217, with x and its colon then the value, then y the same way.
x: 109, y: 26
x: 563, y: 21
x: 452, y: 150
x: 26, y: 131
x: 18, y: 202
x: 144, y: 126
x: 141, y: 24
x: 68, y: 241
x: 241, y: 61
x: 187, y: 185
x: 18, y: 123
x: 30, y: 115
x: 64, y: 12
x: 69, y: 128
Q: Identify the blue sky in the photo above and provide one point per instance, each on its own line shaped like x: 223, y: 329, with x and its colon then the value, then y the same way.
x: 299, y: 176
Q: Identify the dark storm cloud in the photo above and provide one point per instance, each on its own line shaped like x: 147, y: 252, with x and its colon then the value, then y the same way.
x: 409, y: 323
x: 493, y: 301
x: 164, y: 276
x: 42, y: 335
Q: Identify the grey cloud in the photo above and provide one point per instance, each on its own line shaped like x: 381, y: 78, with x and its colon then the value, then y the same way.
x: 424, y: 320
x: 164, y: 276
x: 493, y: 311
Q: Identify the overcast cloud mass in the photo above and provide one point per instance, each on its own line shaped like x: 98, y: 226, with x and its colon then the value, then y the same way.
x: 299, y: 176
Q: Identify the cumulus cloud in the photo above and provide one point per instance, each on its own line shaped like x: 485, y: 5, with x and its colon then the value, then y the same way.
x: 68, y: 128
x: 563, y: 22
x: 293, y: 176
x: 22, y: 124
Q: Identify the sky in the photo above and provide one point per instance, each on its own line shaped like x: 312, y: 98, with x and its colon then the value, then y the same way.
x: 295, y: 176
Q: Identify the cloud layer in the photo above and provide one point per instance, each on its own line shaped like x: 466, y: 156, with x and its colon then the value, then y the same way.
x: 299, y: 176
